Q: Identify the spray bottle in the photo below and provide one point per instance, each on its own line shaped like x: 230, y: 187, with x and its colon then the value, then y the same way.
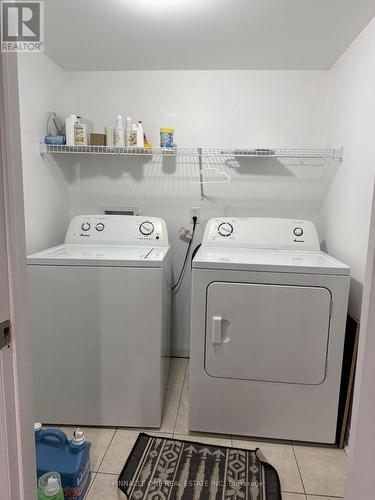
x: 140, y: 135
x: 128, y: 131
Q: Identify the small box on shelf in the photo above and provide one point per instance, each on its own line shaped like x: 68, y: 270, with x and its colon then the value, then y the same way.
x: 97, y: 140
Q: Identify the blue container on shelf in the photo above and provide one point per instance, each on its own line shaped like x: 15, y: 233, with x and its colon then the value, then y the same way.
x: 55, y: 139
x: 71, y: 459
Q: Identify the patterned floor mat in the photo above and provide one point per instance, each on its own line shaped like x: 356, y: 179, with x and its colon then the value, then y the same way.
x: 171, y: 469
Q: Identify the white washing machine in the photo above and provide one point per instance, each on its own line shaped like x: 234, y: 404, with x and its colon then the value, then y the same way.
x: 268, y: 324
x: 100, y: 308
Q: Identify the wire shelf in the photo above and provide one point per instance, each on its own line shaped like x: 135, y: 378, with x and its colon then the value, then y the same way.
x: 215, y: 166
x: 308, y: 157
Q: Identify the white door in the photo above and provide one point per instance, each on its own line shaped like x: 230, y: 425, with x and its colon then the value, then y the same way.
x: 266, y: 332
x: 17, y: 454
x: 7, y: 407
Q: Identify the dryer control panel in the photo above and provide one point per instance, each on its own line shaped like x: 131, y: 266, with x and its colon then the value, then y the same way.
x: 257, y: 232
x: 117, y: 230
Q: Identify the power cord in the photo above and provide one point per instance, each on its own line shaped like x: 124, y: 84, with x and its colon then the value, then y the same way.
x: 193, y: 253
x: 183, y: 269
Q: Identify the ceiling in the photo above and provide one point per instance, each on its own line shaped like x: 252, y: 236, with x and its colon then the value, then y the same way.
x: 202, y: 34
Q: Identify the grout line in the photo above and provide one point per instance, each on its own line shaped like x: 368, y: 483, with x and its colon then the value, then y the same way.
x: 106, y: 451
x: 293, y: 493
x: 93, y: 479
x: 299, y: 470
x: 324, y: 496
x: 109, y: 473
x: 179, y: 402
x: 151, y: 431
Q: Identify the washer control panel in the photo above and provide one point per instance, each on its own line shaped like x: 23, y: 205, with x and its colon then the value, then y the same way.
x: 117, y: 230
x: 256, y: 232
x: 225, y: 229
x: 146, y: 228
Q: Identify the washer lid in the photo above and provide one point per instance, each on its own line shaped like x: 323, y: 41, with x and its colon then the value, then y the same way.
x: 284, y: 261
x: 100, y: 255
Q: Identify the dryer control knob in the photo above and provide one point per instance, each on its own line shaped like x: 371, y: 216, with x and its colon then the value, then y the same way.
x: 225, y: 229
x: 85, y: 226
x: 146, y: 228
x: 298, y: 231
x: 100, y: 226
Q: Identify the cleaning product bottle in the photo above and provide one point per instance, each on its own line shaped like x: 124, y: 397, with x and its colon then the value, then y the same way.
x: 109, y: 137
x: 80, y: 133
x: 70, y: 123
x: 119, y: 132
x: 133, y: 136
x: 71, y: 459
x: 128, y: 131
x: 166, y: 137
x: 140, y: 136
x: 49, y: 487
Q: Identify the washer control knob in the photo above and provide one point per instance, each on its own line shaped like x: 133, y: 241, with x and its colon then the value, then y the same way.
x: 100, y: 226
x: 225, y: 229
x: 146, y: 228
x: 298, y: 231
x: 85, y: 226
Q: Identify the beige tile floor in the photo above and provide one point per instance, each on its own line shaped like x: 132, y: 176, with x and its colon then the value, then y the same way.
x: 306, y: 472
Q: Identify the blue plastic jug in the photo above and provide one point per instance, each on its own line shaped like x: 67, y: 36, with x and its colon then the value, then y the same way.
x: 71, y: 459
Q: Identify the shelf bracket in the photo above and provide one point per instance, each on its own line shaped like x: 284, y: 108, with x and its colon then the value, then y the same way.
x: 200, y: 165
x: 341, y: 153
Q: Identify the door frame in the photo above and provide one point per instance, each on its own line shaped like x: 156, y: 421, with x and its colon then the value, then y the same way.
x: 359, y: 482
x: 17, y: 409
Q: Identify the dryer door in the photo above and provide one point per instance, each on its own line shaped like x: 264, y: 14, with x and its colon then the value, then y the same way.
x: 267, y: 332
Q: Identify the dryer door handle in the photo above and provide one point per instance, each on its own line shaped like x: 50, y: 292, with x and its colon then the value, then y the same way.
x: 216, y: 336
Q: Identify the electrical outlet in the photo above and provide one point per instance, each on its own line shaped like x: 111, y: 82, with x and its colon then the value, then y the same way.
x: 185, y: 233
x: 195, y: 212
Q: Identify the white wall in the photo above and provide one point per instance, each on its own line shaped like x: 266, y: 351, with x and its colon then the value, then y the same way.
x: 42, y: 88
x: 207, y: 108
x: 345, y: 216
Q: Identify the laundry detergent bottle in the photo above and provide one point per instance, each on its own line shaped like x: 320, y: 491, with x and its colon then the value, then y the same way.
x: 71, y: 459
x: 49, y: 487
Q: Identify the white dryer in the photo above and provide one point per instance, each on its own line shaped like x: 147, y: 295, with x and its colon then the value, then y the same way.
x: 100, y: 308
x: 268, y: 324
